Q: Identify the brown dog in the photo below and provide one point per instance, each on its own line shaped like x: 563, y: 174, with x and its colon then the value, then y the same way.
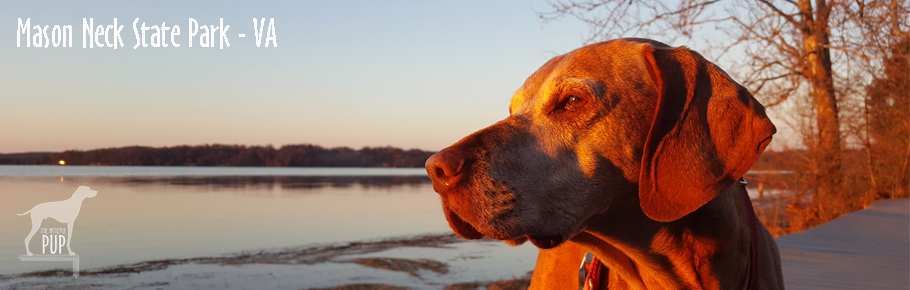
x: 630, y: 149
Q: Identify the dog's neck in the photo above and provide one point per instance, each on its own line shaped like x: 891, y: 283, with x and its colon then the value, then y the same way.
x: 644, y: 254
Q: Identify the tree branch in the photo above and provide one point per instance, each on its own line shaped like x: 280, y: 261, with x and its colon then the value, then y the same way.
x: 789, y: 17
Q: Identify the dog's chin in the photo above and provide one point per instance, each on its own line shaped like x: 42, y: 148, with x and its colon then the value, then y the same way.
x: 516, y: 241
x: 467, y: 231
x: 548, y: 242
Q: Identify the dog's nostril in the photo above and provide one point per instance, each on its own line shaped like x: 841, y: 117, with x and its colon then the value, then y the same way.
x: 445, y: 168
x: 440, y: 172
x: 445, y: 163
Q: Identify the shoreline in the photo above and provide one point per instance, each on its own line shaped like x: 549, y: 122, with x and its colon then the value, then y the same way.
x: 434, y: 261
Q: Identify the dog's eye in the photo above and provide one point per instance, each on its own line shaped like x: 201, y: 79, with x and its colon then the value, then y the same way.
x: 575, y: 102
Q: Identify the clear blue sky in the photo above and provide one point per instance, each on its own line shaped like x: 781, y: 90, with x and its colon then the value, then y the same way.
x: 411, y: 74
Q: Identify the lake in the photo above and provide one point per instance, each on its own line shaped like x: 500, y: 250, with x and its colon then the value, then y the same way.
x: 151, y: 213
x: 156, y: 213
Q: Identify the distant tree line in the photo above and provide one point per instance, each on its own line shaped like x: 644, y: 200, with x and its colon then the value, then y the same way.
x: 305, y: 155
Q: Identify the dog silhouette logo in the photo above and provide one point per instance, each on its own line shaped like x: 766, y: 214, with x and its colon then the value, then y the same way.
x: 64, y: 211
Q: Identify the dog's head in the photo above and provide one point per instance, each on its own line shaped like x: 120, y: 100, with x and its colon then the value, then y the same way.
x: 610, y: 119
x: 85, y: 192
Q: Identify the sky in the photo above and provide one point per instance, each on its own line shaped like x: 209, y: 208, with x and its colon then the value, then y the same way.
x: 410, y: 74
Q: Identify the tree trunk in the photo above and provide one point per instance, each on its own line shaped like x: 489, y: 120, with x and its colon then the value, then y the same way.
x: 827, y: 148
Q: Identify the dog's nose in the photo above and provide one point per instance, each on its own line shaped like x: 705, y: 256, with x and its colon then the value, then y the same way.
x: 445, y: 168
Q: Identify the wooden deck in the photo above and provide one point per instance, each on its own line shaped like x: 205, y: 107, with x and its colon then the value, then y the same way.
x: 868, y: 249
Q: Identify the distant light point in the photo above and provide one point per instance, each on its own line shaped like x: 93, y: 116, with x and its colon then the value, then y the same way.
x: 62, y: 162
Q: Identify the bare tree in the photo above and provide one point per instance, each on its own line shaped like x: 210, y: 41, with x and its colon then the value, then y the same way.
x: 786, y: 48
x: 886, y: 113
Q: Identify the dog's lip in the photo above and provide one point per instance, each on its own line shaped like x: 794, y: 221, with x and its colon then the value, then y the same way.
x: 461, y: 227
x: 547, y: 242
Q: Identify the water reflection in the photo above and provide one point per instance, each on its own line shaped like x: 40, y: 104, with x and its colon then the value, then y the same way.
x: 282, y: 182
x: 139, y: 218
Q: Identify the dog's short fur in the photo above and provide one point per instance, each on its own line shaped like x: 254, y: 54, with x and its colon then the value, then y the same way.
x: 64, y: 211
x: 629, y: 149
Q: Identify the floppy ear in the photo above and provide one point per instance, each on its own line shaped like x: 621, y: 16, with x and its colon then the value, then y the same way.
x: 706, y: 133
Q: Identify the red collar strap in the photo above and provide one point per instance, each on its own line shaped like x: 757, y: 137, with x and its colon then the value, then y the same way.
x: 591, y: 270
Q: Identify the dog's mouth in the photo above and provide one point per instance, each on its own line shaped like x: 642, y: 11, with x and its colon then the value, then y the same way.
x: 461, y: 228
x: 467, y: 231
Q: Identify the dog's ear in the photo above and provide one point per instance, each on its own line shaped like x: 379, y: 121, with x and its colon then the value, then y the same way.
x: 706, y: 133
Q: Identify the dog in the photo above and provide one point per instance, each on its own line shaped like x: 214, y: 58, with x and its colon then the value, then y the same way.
x: 629, y: 149
x: 64, y: 211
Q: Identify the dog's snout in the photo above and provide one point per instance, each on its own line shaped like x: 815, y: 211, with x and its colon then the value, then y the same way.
x: 446, y: 168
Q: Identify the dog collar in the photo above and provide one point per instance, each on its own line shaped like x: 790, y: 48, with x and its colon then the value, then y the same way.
x: 589, y: 272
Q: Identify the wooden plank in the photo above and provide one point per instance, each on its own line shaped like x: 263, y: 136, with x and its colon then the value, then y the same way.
x: 867, y: 249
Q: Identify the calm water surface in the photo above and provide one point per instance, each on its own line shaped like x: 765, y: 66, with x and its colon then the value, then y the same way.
x: 148, y: 213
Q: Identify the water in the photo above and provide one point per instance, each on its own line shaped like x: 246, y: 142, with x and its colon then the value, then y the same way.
x: 56, y: 170
x: 149, y: 213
